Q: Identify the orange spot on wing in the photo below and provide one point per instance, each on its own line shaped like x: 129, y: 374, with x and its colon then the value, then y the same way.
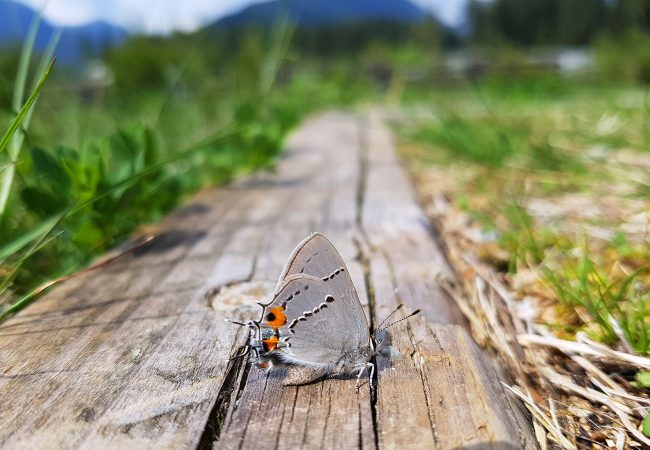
x: 276, y: 317
x: 270, y: 343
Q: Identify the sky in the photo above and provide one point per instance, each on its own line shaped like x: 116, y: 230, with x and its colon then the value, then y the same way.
x: 164, y: 16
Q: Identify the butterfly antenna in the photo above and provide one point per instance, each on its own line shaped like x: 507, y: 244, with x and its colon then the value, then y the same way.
x: 249, y: 323
x: 400, y: 306
x: 417, y: 311
x: 241, y: 324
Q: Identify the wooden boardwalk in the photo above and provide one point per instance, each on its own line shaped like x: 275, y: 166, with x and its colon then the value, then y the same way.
x: 136, y: 354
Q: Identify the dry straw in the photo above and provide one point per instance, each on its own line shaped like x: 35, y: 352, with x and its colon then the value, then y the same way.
x: 572, y: 389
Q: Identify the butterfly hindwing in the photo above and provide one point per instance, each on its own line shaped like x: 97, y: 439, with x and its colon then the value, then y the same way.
x: 310, y: 321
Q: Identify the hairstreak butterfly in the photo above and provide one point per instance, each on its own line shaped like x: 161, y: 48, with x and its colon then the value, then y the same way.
x: 314, y: 325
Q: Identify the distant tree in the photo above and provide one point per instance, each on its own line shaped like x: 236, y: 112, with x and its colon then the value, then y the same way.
x: 579, y: 22
x: 554, y: 22
x: 625, y: 15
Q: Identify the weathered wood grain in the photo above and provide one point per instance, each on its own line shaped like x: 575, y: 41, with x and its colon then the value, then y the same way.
x: 107, y: 362
x: 329, y: 414
x: 441, y: 380
x: 136, y: 354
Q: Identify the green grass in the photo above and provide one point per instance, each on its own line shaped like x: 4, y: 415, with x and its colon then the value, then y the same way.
x: 546, y: 138
x: 611, y: 300
x: 484, y: 142
x: 86, y: 172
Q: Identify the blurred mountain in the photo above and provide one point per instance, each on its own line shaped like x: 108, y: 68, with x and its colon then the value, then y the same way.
x: 323, y: 12
x: 77, y: 43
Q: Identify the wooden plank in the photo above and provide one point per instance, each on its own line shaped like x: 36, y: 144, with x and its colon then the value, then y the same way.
x: 81, y: 364
x: 329, y: 414
x: 136, y: 354
x: 442, y: 386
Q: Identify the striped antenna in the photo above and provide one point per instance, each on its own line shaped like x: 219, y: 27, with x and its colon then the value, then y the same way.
x: 400, y: 306
x: 417, y: 311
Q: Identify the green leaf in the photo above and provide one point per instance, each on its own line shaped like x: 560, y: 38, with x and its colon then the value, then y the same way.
x: 22, y: 241
x: 88, y: 234
x: 48, y: 166
x: 151, y: 146
x: 42, y: 201
x: 643, y: 378
x: 646, y: 425
x: 67, y: 153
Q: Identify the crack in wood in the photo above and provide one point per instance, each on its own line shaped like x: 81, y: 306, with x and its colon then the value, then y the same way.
x: 279, y: 433
x: 305, y: 426
x: 229, y: 393
x: 365, y: 265
x: 329, y: 407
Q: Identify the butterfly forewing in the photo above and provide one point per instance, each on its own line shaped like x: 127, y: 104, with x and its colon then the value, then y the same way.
x: 317, y: 256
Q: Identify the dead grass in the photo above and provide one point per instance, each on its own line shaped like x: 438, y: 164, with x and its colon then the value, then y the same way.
x: 552, y: 244
x: 580, y: 392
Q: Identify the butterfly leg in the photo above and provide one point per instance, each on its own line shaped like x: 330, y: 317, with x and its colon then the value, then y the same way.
x: 246, y: 351
x: 359, y: 378
x: 371, y: 371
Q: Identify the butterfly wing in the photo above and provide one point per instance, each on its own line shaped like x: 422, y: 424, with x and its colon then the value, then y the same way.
x: 316, y: 256
x: 301, y: 334
x: 313, y: 325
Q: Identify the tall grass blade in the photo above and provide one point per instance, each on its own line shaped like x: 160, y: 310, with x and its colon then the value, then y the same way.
x: 16, y: 143
x: 20, y: 117
x: 23, y: 63
x: 47, y: 56
x: 283, y: 34
x: 7, y: 176
x: 45, y: 61
x: 25, y: 239
x: 37, y: 242
x: 15, y: 307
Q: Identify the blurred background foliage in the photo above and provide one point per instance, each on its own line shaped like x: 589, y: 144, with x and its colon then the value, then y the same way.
x: 118, y: 141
